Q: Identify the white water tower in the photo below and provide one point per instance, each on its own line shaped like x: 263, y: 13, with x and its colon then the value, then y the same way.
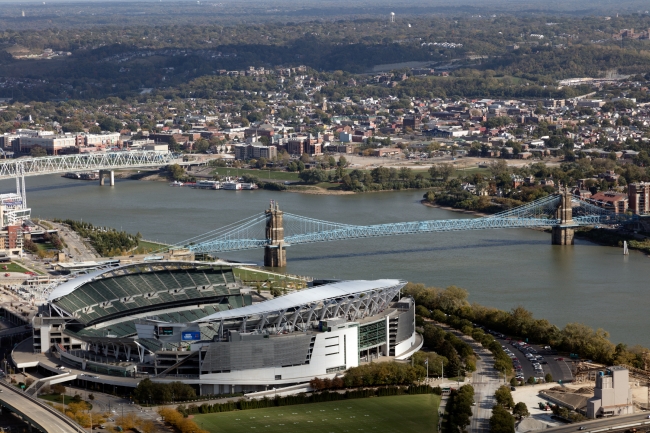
x: 392, y: 17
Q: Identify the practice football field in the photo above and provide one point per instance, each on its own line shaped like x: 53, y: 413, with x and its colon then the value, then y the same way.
x: 404, y: 413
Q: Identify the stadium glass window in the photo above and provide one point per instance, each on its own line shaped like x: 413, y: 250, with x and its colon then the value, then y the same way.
x: 278, y: 377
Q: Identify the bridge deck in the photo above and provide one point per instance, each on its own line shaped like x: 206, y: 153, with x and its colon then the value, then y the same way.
x: 46, y: 419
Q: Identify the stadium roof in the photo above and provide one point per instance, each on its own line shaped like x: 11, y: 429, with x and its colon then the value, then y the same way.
x: 303, y: 297
x: 73, y: 284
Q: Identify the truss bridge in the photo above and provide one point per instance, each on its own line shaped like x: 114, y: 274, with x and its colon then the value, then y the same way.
x: 104, y: 162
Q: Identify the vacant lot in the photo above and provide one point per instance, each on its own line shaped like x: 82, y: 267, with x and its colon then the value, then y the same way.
x: 406, y: 413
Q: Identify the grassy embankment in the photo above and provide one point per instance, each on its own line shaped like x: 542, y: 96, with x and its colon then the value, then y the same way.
x: 146, y: 247
x: 260, y: 174
x: 267, y: 279
x: 397, y: 414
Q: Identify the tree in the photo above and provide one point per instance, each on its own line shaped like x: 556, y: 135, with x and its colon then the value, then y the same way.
x: 342, y: 162
x: 37, y: 152
x: 459, y: 407
x: 520, y: 410
x: 446, y: 171
x: 514, y: 381
x: 176, y: 171
x: 548, y: 378
x: 531, y: 380
x: 501, y: 421
x: 58, y: 389
x: 503, y: 397
x: 313, y: 176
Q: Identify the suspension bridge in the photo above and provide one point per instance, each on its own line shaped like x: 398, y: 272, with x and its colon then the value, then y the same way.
x: 275, y: 230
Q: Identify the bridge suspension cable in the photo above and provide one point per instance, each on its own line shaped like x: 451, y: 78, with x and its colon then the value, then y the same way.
x: 301, y: 230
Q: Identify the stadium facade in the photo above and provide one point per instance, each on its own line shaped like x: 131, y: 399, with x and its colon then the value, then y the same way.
x: 194, y: 322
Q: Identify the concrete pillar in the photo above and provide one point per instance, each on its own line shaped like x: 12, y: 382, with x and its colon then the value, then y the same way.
x: 103, y: 174
x: 275, y: 253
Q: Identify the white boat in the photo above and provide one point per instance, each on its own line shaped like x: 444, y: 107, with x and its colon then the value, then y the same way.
x: 625, y: 250
x: 231, y: 186
x: 176, y: 183
x: 207, y: 184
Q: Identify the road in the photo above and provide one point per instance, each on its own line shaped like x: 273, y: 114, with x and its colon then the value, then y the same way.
x: 485, y: 380
x: 75, y: 245
x: 46, y: 418
x: 639, y: 421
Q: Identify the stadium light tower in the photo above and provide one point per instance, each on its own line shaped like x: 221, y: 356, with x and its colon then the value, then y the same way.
x: 392, y: 17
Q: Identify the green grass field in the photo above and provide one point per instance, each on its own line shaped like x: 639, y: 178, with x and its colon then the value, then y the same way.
x: 13, y: 267
x: 145, y: 247
x: 260, y: 174
x: 249, y: 275
x: 405, y: 413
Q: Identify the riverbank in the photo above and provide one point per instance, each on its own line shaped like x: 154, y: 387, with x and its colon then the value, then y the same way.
x: 316, y: 190
x: 453, y: 209
x: 614, y: 238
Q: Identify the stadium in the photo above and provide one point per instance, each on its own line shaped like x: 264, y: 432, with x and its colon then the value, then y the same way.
x: 195, y: 322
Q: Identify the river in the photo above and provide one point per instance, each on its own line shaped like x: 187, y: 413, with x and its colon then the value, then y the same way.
x: 585, y: 283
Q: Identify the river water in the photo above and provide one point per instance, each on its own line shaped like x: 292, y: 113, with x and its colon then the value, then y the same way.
x: 584, y: 283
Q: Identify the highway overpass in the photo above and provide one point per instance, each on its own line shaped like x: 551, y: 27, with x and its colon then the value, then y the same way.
x: 640, y: 421
x: 39, y: 415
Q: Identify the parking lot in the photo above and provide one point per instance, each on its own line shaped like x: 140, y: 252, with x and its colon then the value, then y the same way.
x: 535, y: 360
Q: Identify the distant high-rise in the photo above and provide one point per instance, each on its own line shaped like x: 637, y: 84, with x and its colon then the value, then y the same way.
x: 23, y: 13
x: 392, y: 17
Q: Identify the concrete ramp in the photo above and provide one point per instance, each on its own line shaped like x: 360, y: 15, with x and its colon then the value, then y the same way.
x: 52, y: 380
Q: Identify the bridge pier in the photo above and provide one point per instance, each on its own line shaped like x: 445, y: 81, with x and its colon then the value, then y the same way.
x: 563, y: 233
x: 106, y: 173
x: 275, y: 253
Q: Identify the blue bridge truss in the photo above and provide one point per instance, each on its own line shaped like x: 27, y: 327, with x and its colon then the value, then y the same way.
x: 250, y: 233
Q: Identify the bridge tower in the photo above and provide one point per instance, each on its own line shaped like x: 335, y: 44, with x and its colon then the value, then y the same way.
x: 562, y: 234
x: 275, y: 253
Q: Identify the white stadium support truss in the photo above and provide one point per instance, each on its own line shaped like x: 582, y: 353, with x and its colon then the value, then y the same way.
x: 349, y: 300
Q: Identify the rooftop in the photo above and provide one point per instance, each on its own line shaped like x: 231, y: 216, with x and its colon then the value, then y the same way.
x: 309, y: 296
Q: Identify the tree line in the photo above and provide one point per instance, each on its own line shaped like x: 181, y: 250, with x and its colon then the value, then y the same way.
x: 106, y: 241
x: 450, y: 306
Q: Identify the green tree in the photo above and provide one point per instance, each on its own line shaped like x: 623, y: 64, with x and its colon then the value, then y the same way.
x: 548, y: 378
x: 503, y: 397
x: 459, y: 408
x: 501, y: 421
x: 37, y: 152
x: 520, y: 410
x: 176, y: 171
